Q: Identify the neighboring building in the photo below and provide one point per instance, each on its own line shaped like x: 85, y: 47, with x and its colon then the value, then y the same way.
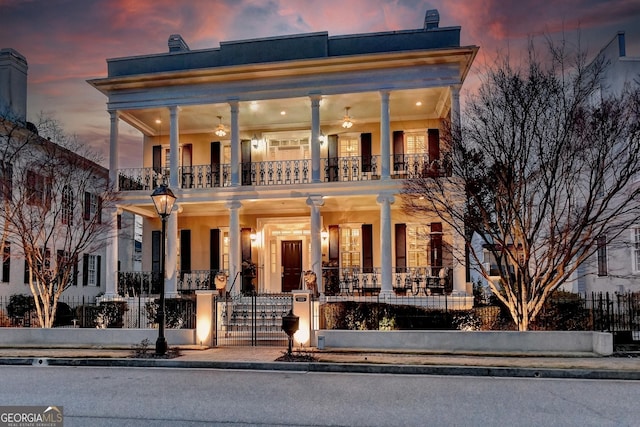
x: 615, y: 267
x: 288, y: 154
x: 21, y: 137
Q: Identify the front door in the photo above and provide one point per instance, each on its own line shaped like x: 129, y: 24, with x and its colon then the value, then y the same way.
x: 291, y: 264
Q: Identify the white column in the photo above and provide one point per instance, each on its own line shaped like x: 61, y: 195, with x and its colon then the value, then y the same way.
x: 174, y: 144
x: 235, y: 145
x: 315, y: 138
x: 171, y: 260
x: 455, y: 106
x: 235, y: 258
x: 315, y: 202
x: 459, y: 270
x: 385, y: 201
x: 111, y: 255
x: 385, y: 135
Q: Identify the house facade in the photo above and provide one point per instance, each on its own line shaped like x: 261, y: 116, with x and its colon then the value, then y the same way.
x: 288, y: 154
x: 615, y: 267
x: 41, y: 197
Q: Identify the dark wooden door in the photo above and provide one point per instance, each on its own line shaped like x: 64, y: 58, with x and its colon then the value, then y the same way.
x: 291, y: 264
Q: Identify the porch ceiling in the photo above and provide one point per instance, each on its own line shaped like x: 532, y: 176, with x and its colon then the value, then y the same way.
x: 265, y: 115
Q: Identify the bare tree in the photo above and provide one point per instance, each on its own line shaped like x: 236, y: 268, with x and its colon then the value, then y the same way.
x: 543, y: 165
x: 53, y: 195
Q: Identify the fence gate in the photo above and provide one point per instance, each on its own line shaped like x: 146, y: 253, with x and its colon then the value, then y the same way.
x: 251, y: 320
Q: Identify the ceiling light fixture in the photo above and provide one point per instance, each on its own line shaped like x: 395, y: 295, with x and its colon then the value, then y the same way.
x: 220, y: 131
x: 346, y: 121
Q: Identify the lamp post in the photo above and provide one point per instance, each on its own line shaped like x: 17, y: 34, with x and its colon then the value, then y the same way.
x: 163, y: 200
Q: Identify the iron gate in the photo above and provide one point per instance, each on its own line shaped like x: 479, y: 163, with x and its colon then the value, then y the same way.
x: 251, y: 320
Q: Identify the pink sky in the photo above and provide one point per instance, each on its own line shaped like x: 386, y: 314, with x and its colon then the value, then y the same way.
x: 67, y: 42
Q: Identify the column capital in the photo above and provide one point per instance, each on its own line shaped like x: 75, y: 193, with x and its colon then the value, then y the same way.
x: 234, y: 103
x: 385, y: 93
x: 315, y: 97
x: 315, y: 201
x: 385, y: 198
x: 234, y: 204
x: 114, y: 114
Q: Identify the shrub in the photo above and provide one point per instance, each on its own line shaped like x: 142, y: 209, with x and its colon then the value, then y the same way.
x: 177, y: 314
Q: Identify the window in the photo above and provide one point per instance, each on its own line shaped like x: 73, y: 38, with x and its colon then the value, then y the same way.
x: 65, y: 262
x: 415, y: 143
x: 6, y: 180
x: 349, y: 146
x: 38, y: 189
x: 91, y: 270
x: 67, y: 205
x: 635, y: 256
x: 350, y: 247
x: 602, y: 255
x: 417, y: 245
x: 92, y: 207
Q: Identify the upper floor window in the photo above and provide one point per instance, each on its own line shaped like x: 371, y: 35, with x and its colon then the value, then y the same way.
x: 415, y: 143
x: 38, y: 189
x: 602, y: 255
x: 92, y: 207
x: 6, y: 180
x: 349, y: 146
x: 67, y: 205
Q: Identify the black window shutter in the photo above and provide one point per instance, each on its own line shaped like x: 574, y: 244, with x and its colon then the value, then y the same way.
x: 334, y: 243
x: 245, y: 160
x: 98, y: 270
x: 157, y: 158
x: 155, y: 250
x: 367, y: 248
x: 245, y: 244
x: 401, y: 246
x: 433, y: 136
x: 87, y: 206
x: 332, y: 158
x: 99, y: 213
x: 365, y: 150
x: 214, y: 249
x: 185, y: 251
x: 398, y: 150
x: 436, y: 247
x: 215, y: 163
x: 26, y: 272
x: 85, y: 270
x: 75, y: 271
x: 6, y: 263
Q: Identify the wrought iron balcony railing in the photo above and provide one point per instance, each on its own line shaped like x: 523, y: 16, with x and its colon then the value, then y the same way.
x: 284, y: 172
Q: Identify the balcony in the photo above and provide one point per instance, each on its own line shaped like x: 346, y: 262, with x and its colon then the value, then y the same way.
x: 283, y: 172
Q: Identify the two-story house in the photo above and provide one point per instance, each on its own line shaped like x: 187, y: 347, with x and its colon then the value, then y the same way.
x: 288, y: 154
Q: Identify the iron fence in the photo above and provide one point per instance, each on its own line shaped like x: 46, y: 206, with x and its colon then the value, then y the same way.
x: 119, y: 312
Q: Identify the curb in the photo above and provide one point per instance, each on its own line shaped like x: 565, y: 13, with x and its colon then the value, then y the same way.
x: 479, y: 371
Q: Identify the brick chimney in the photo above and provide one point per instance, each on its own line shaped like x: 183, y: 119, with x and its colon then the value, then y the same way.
x: 177, y: 43
x: 431, y: 19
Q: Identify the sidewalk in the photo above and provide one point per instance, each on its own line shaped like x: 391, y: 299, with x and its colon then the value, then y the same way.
x: 264, y: 358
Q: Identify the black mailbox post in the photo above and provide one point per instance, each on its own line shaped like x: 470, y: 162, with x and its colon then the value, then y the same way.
x: 290, y: 324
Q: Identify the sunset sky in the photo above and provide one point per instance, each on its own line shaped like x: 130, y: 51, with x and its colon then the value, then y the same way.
x: 67, y: 42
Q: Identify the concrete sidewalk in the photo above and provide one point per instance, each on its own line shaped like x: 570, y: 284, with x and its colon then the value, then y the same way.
x: 264, y: 358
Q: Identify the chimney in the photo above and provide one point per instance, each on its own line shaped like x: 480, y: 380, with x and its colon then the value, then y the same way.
x: 13, y: 85
x: 177, y: 43
x: 431, y: 19
x: 621, y: 45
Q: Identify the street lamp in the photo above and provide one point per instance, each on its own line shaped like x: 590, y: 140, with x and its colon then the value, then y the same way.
x: 163, y: 199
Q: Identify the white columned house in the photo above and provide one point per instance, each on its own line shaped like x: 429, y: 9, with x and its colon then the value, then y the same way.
x: 380, y: 101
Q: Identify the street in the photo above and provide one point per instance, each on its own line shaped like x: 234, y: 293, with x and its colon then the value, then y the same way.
x: 192, y: 397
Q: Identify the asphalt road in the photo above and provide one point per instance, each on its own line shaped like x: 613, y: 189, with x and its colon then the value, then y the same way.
x: 198, y: 397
